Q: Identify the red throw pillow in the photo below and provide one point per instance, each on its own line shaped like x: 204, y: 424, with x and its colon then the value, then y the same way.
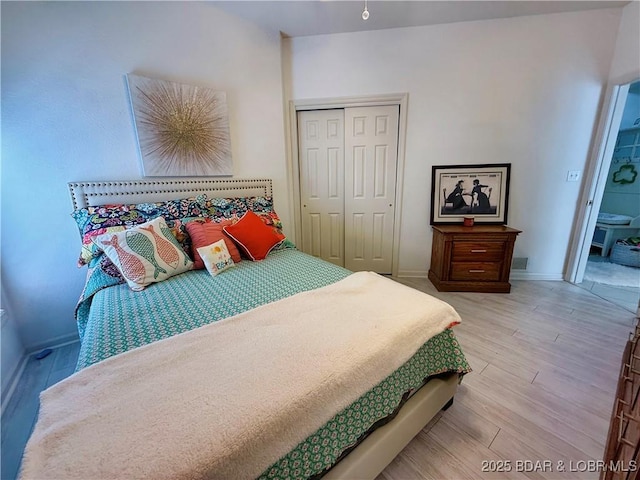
x: 271, y: 219
x: 253, y: 236
x: 205, y: 233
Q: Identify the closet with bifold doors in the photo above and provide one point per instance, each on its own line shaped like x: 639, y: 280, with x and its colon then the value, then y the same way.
x: 347, y: 164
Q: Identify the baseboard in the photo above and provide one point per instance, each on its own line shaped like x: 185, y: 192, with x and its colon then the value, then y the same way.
x: 56, y: 342
x: 13, y: 383
x: 19, y: 370
x: 412, y: 273
x: 515, y: 275
x: 521, y: 275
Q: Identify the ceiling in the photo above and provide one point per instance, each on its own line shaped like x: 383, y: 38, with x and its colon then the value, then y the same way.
x: 301, y: 17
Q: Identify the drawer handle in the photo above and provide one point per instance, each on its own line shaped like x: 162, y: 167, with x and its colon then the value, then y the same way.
x: 478, y: 251
x: 476, y: 271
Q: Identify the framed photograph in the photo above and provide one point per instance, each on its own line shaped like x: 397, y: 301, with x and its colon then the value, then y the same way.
x: 478, y: 191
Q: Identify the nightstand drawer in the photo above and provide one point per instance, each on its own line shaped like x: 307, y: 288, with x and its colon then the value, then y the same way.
x: 476, y: 271
x: 478, y: 251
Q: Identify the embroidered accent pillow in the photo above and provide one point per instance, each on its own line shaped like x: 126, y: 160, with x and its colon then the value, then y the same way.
x: 145, y: 254
x: 253, y: 236
x: 216, y: 257
x: 203, y: 233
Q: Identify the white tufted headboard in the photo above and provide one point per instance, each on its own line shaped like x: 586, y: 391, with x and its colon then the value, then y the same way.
x: 87, y: 194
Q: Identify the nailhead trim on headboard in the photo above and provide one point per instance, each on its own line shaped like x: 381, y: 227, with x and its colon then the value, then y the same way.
x: 84, y: 194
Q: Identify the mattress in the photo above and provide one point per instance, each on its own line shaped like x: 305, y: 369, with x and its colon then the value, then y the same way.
x: 113, y: 319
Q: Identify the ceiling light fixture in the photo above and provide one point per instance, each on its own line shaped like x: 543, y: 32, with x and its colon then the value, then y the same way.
x: 365, y: 12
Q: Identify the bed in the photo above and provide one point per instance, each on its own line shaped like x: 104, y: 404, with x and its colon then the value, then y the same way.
x: 194, y: 322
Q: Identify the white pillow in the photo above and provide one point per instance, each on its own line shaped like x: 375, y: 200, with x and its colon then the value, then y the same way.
x: 145, y: 254
x: 216, y: 257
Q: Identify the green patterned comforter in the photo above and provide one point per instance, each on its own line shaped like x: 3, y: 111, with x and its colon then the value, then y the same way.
x: 116, y: 319
x: 113, y: 319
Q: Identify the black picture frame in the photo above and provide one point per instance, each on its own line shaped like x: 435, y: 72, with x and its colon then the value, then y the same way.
x: 478, y: 191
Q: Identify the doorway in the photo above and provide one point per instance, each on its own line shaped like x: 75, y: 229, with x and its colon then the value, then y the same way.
x: 611, y: 205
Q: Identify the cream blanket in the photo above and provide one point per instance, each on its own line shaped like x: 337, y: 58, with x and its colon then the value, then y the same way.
x: 228, y: 399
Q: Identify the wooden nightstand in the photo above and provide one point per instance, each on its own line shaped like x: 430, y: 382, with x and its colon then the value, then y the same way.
x: 472, y: 259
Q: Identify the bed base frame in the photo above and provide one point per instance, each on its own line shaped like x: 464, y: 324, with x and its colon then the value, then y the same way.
x: 377, y: 451
x: 374, y: 453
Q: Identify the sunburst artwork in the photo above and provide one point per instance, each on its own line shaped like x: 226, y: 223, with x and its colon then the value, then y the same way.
x: 183, y: 130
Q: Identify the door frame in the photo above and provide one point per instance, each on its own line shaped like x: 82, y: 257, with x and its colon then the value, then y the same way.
x: 595, y: 180
x: 294, y: 106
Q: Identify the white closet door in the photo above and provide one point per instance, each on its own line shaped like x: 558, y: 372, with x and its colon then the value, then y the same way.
x: 321, y: 157
x: 371, y: 151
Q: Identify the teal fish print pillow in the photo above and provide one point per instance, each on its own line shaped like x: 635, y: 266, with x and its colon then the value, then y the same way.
x: 145, y: 254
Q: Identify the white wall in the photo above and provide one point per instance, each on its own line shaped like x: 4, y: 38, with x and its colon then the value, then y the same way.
x: 66, y: 117
x: 625, y: 67
x: 524, y: 91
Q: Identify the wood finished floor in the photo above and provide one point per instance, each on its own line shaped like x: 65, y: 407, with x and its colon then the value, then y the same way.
x: 21, y: 412
x: 545, y: 357
x: 545, y: 362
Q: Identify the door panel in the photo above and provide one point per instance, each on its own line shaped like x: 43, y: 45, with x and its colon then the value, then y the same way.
x: 321, y: 153
x: 314, y: 237
x: 371, y: 149
x: 378, y: 243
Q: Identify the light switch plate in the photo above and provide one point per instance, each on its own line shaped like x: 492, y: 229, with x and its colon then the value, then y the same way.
x: 573, y: 175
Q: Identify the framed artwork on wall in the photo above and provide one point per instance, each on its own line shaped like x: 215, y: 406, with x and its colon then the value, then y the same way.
x: 183, y: 130
x: 478, y: 191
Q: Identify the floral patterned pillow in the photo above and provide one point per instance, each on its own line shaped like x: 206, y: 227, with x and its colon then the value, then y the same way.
x: 222, y: 208
x: 219, y: 209
x: 94, y: 221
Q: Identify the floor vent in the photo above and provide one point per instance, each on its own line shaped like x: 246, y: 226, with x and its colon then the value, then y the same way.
x: 519, y: 263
